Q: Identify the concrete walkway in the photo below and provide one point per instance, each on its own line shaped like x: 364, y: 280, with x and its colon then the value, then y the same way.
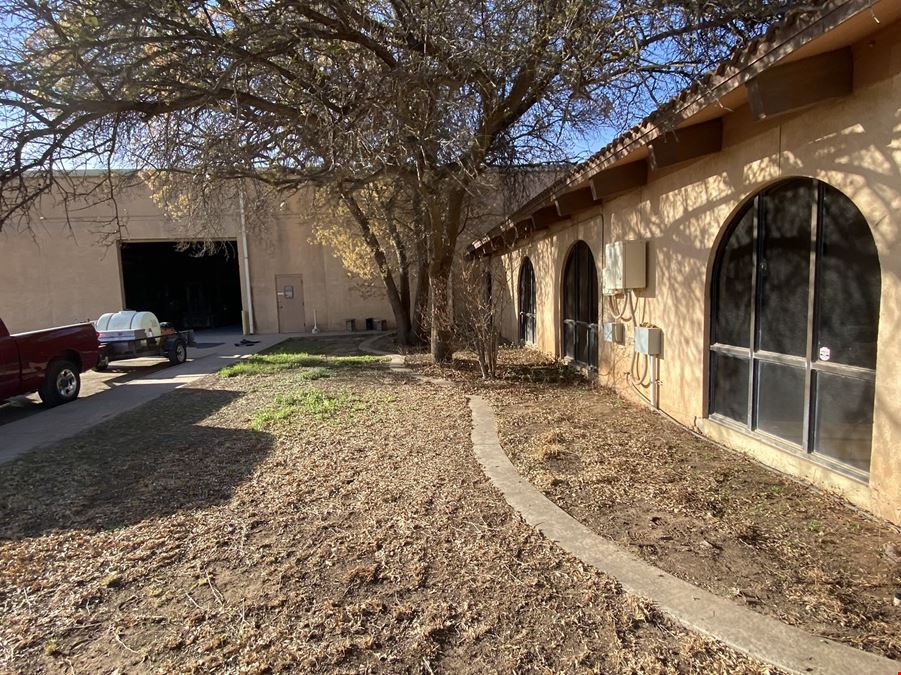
x: 56, y: 424
x: 756, y: 635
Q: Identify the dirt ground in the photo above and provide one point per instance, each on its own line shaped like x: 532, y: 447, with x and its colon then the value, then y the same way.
x: 703, y: 513
x: 352, y: 531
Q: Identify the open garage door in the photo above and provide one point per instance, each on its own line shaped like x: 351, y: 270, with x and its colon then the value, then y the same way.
x: 189, y: 288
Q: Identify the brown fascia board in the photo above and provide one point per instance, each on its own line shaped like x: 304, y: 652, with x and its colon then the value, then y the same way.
x: 800, y: 84
x: 761, y: 53
x: 505, y: 234
x: 619, y: 179
x: 686, y: 143
x: 574, y: 201
x: 546, y: 216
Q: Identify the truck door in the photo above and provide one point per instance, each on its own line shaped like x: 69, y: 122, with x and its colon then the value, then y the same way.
x: 9, y: 365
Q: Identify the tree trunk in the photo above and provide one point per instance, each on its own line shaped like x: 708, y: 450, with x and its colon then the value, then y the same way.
x: 442, y: 321
x: 419, y: 314
x: 400, y: 308
x: 406, y: 334
x: 445, y: 218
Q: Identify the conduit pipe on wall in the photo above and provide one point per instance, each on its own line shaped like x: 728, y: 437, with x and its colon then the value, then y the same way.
x: 247, y: 287
x: 654, y: 392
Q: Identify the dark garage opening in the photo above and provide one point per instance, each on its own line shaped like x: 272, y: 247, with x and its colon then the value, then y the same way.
x: 189, y: 288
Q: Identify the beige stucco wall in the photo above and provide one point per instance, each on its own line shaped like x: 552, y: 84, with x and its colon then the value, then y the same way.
x: 853, y: 144
x: 62, y: 270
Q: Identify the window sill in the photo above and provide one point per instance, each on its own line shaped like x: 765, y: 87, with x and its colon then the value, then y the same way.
x: 792, y: 449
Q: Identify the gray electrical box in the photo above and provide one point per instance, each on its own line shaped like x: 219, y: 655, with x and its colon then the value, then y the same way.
x: 614, y: 332
x: 648, y: 340
x: 625, y: 266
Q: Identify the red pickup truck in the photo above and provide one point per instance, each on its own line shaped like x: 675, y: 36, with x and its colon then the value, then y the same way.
x: 49, y: 362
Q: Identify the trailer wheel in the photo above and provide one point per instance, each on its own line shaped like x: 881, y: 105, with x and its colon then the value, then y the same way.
x: 178, y: 352
x: 102, y: 364
x: 62, y: 382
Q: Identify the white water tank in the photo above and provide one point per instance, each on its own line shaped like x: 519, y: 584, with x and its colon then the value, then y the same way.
x: 127, y: 320
x: 102, y: 324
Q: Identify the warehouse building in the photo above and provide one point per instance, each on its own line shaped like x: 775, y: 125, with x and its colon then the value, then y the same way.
x: 743, y: 272
x: 76, y: 262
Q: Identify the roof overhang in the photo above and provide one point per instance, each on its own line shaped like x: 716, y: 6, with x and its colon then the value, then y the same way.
x: 808, y: 47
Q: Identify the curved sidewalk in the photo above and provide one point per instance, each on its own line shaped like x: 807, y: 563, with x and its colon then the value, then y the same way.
x: 754, y: 634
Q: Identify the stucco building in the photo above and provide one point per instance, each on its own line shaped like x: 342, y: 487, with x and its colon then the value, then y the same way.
x: 736, y: 258
x: 74, y: 267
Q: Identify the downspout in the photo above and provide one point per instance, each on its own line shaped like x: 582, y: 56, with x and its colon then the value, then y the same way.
x: 247, y: 290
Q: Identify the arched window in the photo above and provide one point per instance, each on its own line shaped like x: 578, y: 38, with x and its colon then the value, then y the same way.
x: 580, y: 306
x: 527, y: 302
x: 795, y: 300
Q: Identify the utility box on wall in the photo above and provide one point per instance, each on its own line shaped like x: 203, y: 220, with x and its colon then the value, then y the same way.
x: 625, y: 266
x: 614, y: 332
x: 648, y: 340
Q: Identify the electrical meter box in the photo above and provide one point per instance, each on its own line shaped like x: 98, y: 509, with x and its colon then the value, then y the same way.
x: 614, y: 332
x: 648, y: 340
x: 625, y: 266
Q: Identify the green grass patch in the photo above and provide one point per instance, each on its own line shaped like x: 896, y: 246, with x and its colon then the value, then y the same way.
x: 315, y: 373
x: 312, y: 402
x: 318, y: 357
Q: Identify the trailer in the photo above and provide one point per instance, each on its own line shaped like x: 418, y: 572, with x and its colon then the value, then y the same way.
x: 133, y: 335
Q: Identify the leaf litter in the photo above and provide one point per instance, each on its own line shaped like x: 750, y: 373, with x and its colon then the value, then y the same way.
x: 176, y: 538
x: 704, y: 513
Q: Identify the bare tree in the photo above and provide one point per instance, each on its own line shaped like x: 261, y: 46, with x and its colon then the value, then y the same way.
x: 481, y: 307
x: 340, y: 93
x: 383, y: 213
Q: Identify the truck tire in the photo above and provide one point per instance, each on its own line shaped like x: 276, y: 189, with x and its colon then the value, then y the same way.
x: 62, y: 382
x: 178, y: 353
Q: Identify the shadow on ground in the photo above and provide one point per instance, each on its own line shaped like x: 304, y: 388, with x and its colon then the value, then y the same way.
x: 154, y: 461
x: 92, y: 382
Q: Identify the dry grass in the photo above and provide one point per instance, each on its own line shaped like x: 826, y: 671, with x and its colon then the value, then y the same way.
x: 707, y: 515
x: 175, y: 539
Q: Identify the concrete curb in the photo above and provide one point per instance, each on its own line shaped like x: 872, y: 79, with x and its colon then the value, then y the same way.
x: 754, y: 634
x: 746, y: 631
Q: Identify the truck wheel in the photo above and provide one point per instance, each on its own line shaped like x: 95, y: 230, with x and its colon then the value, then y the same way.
x: 178, y: 353
x: 62, y: 382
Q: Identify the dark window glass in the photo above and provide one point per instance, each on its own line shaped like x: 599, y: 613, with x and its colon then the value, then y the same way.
x: 845, y: 326
x: 783, y: 270
x: 780, y: 401
x: 582, y: 354
x: 570, y: 294
x: 527, y: 302
x: 730, y: 387
x: 569, y: 339
x: 733, y: 288
x: 584, y: 288
x: 848, y: 285
x: 593, y: 343
x: 580, y: 304
x: 844, y: 419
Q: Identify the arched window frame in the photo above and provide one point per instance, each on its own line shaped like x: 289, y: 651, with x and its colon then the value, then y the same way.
x: 527, y: 302
x: 579, y: 324
x: 814, y: 366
